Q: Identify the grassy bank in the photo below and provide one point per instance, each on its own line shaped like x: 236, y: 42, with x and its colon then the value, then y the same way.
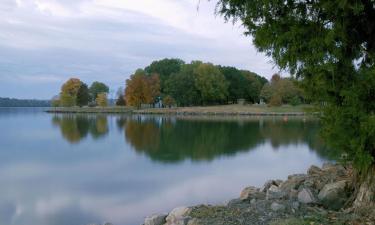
x: 89, y: 110
x: 231, y: 110
x: 196, y: 110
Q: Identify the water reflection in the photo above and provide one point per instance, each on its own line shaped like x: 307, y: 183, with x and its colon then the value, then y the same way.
x: 168, y: 139
x: 76, y: 127
x: 171, y: 139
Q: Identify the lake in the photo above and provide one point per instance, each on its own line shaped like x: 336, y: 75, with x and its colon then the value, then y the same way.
x: 66, y: 169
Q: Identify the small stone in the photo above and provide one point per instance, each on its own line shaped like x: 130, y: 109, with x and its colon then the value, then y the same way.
x: 253, y: 201
x: 306, y: 196
x: 277, y: 207
x: 295, y: 205
x: 158, y: 219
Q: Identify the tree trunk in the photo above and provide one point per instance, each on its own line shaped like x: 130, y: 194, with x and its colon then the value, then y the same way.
x: 365, y: 194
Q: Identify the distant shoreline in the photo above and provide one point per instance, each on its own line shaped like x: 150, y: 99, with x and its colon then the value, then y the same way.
x: 225, y: 110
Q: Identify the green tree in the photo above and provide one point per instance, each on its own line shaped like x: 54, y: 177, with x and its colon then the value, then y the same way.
x: 181, y: 86
x: 83, y: 96
x: 253, y: 83
x: 210, y: 83
x: 164, y: 68
x: 96, y: 88
x: 120, y: 97
x: 330, y: 45
x: 55, y: 102
x: 237, y: 83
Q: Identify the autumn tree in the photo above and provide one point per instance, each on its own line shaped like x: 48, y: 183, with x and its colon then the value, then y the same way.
x: 69, y: 91
x: 168, y: 101
x: 142, y: 88
x: 101, y: 99
x: 281, y: 91
x: 210, y: 83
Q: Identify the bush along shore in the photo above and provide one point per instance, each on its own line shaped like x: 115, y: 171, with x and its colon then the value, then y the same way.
x: 319, y: 197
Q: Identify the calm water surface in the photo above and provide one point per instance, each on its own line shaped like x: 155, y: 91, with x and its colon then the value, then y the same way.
x: 81, y: 169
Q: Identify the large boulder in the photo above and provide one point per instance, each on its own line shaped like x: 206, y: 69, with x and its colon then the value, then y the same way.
x: 306, y: 196
x: 158, y: 219
x: 274, y: 192
x: 292, y: 184
x: 178, y: 216
x: 334, y: 195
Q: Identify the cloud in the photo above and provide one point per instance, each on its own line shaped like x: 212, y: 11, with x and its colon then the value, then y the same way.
x: 47, y: 41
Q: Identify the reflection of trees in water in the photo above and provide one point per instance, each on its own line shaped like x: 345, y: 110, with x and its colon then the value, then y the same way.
x: 76, y: 127
x: 168, y: 139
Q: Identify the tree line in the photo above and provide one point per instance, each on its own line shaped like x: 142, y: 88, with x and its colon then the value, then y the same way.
x: 199, y: 83
x: 12, y: 102
x: 172, y: 82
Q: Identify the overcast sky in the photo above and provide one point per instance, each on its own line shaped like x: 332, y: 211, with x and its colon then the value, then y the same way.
x: 45, y: 42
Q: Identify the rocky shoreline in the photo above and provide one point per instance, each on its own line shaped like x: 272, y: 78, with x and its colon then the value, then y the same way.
x: 318, y: 197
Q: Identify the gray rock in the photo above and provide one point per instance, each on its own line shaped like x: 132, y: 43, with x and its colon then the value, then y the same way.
x: 292, y: 184
x: 158, y: 219
x: 107, y: 224
x: 306, y: 196
x: 178, y: 216
x: 277, y: 207
x: 314, y: 170
x: 333, y: 195
x: 248, y: 192
x: 267, y: 185
x: 274, y: 193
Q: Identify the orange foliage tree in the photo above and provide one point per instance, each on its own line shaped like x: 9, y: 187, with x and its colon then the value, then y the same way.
x: 142, y: 88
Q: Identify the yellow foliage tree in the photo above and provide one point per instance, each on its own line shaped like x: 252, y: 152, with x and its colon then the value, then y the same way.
x: 69, y: 90
x: 101, y: 99
x: 142, y: 88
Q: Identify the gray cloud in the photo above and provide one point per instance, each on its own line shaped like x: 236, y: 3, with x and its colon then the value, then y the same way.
x: 43, y: 43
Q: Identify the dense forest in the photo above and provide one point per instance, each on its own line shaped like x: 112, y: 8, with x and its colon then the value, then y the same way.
x: 12, y: 102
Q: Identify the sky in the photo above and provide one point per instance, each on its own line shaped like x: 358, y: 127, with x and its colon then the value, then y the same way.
x: 45, y: 42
